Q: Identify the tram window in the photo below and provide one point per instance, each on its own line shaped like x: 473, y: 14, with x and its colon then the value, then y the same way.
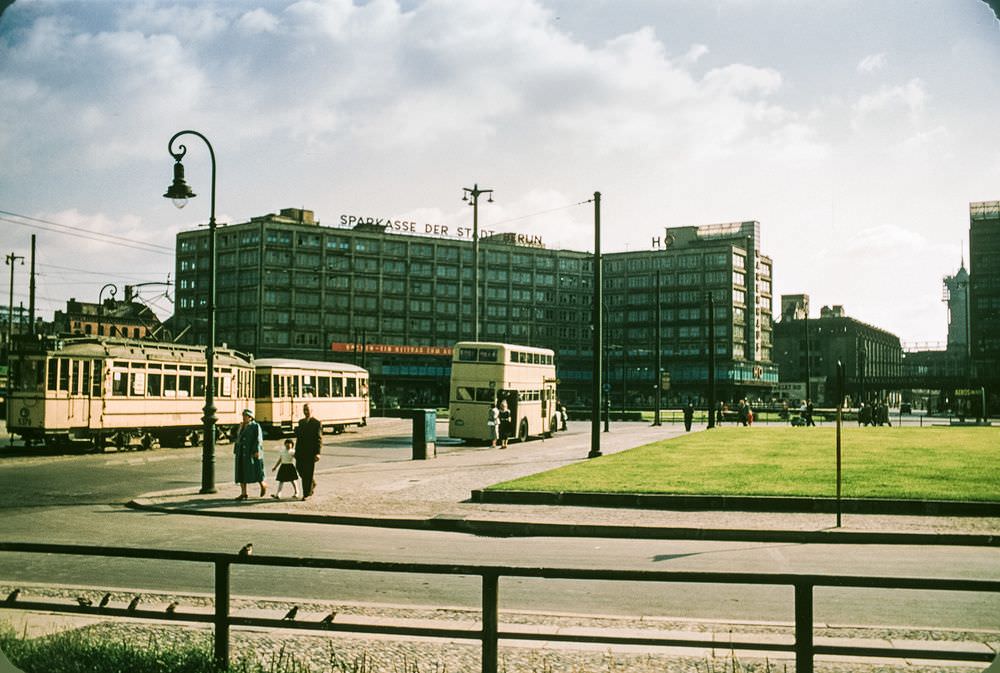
x: 138, y: 386
x: 263, y: 385
x: 63, y: 374
x: 53, y: 368
x: 184, y: 384
x: 199, y: 383
x: 85, y: 379
x: 352, y: 387
x: 294, y: 381
x: 323, y: 387
x: 119, y: 384
x: 336, y: 387
x: 487, y: 354
x: 308, y: 386
x: 154, y: 384
x: 227, y: 385
x: 97, y: 382
x: 169, y: 385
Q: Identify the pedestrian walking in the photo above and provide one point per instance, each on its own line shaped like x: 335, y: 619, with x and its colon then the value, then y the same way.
x: 506, y: 424
x: 493, y: 425
x: 809, y: 414
x: 308, y: 444
x: 286, y: 469
x: 249, y: 455
x: 688, y: 417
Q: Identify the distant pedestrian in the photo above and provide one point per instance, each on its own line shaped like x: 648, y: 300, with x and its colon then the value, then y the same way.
x: 809, y: 414
x: 286, y: 469
x: 308, y: 444
x: 563, y: 415
x: 493, y: 425
x: 688, y: 417
x: 249, y: 455
x: 506, y: 424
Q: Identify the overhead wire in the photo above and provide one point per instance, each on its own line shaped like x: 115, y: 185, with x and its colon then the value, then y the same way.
x: 80, y: 232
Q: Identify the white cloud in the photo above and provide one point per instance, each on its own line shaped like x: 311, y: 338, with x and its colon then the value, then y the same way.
x: 257, y: 21
x: 888, y: 103
x: 872, y: 62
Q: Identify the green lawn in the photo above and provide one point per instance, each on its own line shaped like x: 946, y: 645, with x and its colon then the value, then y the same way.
x: 908, y: 463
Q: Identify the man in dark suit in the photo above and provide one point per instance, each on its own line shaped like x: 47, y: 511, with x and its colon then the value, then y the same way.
x: 308, y: 442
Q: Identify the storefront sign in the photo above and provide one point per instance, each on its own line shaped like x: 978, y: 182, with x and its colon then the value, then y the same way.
x: 390, y: 349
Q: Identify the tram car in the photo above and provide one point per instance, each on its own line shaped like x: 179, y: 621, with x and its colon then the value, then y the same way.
x: 120, y: 391
x: 337, y: 394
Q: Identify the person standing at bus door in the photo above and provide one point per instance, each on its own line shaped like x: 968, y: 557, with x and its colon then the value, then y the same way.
x: 563, y: 415
x: 506, y: 424
x: 308, y: 444
x: 249, y: 455
x: 287, y: 474
x: 493, y: 425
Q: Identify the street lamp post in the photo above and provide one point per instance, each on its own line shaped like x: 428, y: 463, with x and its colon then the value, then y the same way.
x: 179, y: 193
x: 112, y: 290
x: 659, y: 350
x: 475, y: 192
x: 11, y: 259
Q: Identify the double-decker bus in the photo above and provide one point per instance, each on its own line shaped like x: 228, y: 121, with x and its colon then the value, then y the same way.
x: 483, y: 373
x: 337, y: 394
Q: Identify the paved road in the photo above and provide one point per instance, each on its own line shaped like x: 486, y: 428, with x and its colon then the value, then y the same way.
x: 78, y: 499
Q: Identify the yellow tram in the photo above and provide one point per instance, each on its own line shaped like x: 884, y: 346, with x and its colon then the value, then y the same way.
x: 116, y: 391
x: 337, y: 394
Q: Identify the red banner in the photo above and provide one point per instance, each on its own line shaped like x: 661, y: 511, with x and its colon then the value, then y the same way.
x: 391, y: 349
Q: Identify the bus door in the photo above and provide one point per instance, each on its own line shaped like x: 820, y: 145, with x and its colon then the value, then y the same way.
x: 511, y: 397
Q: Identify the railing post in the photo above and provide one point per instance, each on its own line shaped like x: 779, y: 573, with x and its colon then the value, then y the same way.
x: 491, y: 620
x: 803, y: 627
x: 222, y: 614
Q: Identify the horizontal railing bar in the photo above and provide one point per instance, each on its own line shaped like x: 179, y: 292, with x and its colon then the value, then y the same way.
x: 902, y: 653
x: 353, y: 627
x: 673, y: 576
x: 640, y: 640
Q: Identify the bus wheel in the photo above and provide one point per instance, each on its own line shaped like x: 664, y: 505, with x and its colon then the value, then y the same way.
x: 522, y: 431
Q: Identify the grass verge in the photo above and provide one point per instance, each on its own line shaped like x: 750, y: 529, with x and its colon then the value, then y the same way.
x: 898, y: 463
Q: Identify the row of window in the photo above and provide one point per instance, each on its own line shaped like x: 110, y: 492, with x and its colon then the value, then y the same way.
x: 311, y: 385
x: 138, y: 379
x: 491, y: 395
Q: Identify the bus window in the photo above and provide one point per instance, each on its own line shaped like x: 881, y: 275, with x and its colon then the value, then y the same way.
x: 352, y: 387
x: 324, y: 386
x: 263, y: 385
x: 465, y: 394
x: 467, y: 354
x: 485, y: 395
x: 337, y: 387
x: 487, y: 354
x: 308, y: 386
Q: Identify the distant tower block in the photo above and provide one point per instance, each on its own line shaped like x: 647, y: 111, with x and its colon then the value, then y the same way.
x: 956, y: 294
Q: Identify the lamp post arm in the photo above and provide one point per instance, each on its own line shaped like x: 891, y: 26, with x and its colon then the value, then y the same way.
x: 181, y: 150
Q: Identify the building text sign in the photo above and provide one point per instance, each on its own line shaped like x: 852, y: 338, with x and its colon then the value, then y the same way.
x: 390, y: 349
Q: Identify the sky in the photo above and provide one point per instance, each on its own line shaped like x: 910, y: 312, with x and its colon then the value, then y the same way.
x: 856, y: 132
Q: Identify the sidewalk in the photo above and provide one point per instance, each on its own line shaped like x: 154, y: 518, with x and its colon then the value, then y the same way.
x: 387, y: 489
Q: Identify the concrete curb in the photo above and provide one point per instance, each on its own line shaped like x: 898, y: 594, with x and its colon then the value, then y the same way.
x: 493, y: 528
x: 740, y: 503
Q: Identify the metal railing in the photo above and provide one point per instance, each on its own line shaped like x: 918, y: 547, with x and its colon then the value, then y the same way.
x: 489, y: 634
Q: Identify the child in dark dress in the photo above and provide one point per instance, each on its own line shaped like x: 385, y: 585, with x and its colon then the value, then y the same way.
x: 286, y: 469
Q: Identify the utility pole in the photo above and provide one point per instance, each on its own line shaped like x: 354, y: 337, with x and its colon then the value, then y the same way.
x: 598, y: 320
x: 11, y: 258
x: 659, y: 350
x: 31, y: 290
x: 475, y: 192
x: 711, y: 361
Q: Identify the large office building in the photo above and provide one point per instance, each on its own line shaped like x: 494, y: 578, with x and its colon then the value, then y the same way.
x: 984, y: 296
x: 808, y: 349
x: 394, y: 299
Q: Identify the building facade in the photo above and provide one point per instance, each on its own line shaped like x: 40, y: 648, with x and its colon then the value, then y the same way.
x: 984, y: 297
x: 129, y: 319
x: 811, y: 347
x: 395, y: 302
